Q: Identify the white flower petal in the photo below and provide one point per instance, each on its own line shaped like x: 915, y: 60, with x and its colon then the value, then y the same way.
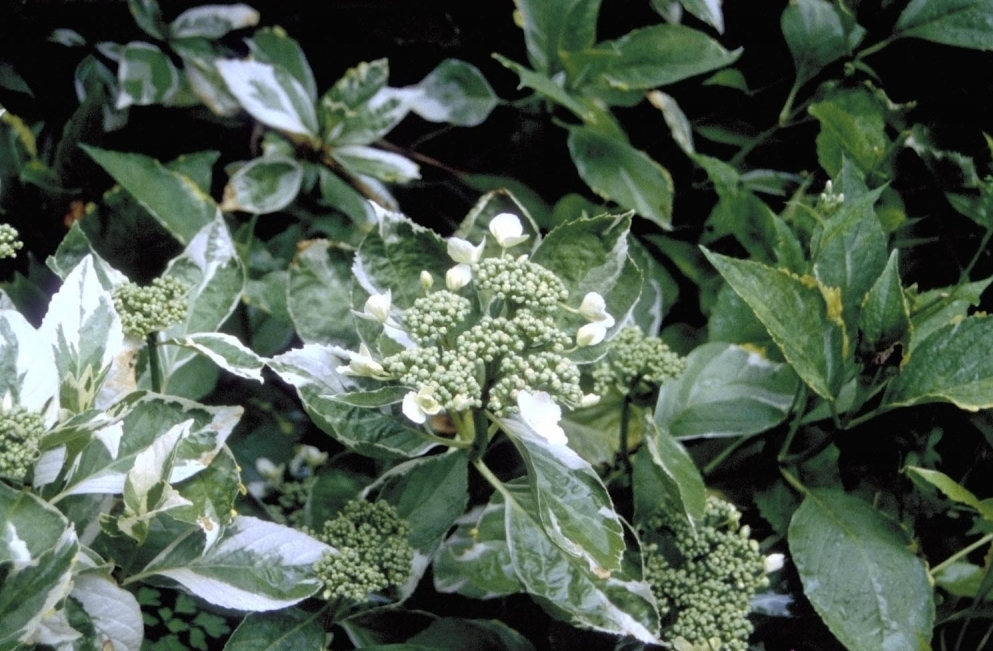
x: 542, y: 415
x: 418, y: 406
x: 594, y: 309
x: 591, y: 334
x: 507, y: 229
x: 412, y: 410
x: 773, y: 563
x: 458, y: 277
x: 378, y: 306
x: 462, y: 251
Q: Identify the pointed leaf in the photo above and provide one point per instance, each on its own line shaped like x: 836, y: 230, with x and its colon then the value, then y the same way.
x: 852, y: 125
x: 885, y: 318
x: 475, y: 560
x: 113, y: 612
x: 263, y: 186
x: 665, y: 477
x: 815, y: 36
x: 27, y: 364
x: 145, y: 75
x: 802, y: 316
x: 212, y: 494
x: 272, y: 45
x: 254, y: 565
x: 383, y: 165
x: 287, y: 630
x: 618, y: 172
x: 172, y: 198
x: 225, y: 351
x: 318, y: 294
x: 954, y: 364
x: 725, y: 390
x: 572, y: 503
x: 455, y: 92
x: 709, y: 11
x: 963, y: 23
x: 271, y: 95
x: 148, y: 17
x: 952, y: 489
x: 212, y: 21
x: 555, y: 26
x: 852, y: 561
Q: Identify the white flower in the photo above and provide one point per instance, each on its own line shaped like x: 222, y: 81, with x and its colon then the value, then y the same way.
x: 594, y: 309
x: 426, y: 280
x: 589, y: 399
x: 463, y: 252
x: 377, y: 306
x: 542, y: 415
x: 773, y: 563
x: 269, y: 470
x: 458, y: 277
x: 591, y: 334
x: 507, y: 230
x: 363, y: 365
x: 307, y: 455
x: 418, y: 406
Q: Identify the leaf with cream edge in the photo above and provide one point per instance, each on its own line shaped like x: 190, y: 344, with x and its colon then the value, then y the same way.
x: 112, y: 612
x: 85, y: 333
x: 212, y: 21
x: 271, y: 95
x: 254, y: 565
x: 28, y: 374
x: 665, y: 477
x: 264, y: 185
x: 226, y: 351
x: 573, y: 505
x: 474, y: 561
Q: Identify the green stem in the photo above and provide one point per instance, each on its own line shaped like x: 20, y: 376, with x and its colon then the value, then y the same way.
x: 965, y: 551
x: 809, y: 453
x: 724, y: 454
x: 784, y: 114
x: 979, y: 252
x: 154, y: 365
x: 625, y: 417
x: 793, y: 481
x: 800, y: 404
x: 869, y: 51
x: 493, y: 480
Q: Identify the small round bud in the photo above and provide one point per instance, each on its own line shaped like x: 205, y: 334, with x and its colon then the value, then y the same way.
x: 427, y: 280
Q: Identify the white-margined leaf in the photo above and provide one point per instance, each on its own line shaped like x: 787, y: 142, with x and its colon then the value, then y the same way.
x: 271, y: 95
x: 27, y: 366
x: 212, y: 21
x: 113, y: 612
x: 474, y: 561
x: 383, y: 165
x: 226, y: 351
x: 265, y: 185
x: 145, y: 75
x: 254, y: 565
x: 454, y: 92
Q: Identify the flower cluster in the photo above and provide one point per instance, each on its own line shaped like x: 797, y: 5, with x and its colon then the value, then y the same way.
x: 20, y: 432
x: 9, y: 242
x: 150, y: 308
x: 636, y: 364
x: 829, y: 201
x: 372, y: 551
x: 490, y: 335
x: 284, y: 495
x: 705, y: 579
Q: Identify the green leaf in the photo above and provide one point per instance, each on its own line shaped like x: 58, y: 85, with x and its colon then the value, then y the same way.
x: 618, y: 172
x: 211, y: 269
x: 475, y: 226
x: 430, y: 493
x: 679, y: 125
x: 709, y: 11
x: 38, y: 549
x: 852, y: 125
x: 393, y: 257
x: 85, y: 333
x: 454, y: 634
x: 145, y: 75
x: 272, y: 95
x: 815, y: 36
x: 853, y: 561
x: 952, y: 489
x: 849, y: 252
x: 377, y: 163
x: 802, y: 316
x: 962, y: 23
x: 112, y: 612
x: 212, y: 21
x: 318, y: 295
x: 148, y: 16
x: 272, y: 45
x: 254, y: 565
x: 654, y: 56
x: 224, y: 350
x: 939, y: 307
x: 555, y: 26
x: 665, y: 477
x: 264, y: 185
x: 572, y: 502
x: 212, y: 494
x: 725, y: 390
x: 564, y: 584
x: 286, y: 630
x: 474, y: 561
x: 338, y: 194
x: 954, y: 364
x: 591, y: 255
x: 885, y: 318
x: 372, y: 432
x: 595, y: 432
x: 455, y: 92
x: 360, y: 108
x: 172, y: 198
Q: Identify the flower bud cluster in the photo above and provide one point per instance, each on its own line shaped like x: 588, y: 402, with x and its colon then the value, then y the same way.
x: 372, y: 551
x: 150, y: 308
x: 20, y: 432
x: 449, y: 376
x: 433, y: 317
x: 544, y: 371
x: 521, y: 282
x: 636, y: 363
x: 829, y: 201
x: 705, y: 589
x: 9, y: 242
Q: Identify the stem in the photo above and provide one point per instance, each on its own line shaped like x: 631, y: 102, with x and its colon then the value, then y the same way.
x: 979, y: 252
x: 960, y: 553
x: 724, y: 454
x: 793, y: 481
x: 154, y: 367
x: 493, y: 480
x: 801, y: 401
x: 625, y: 417
x: 809, y: 453
x: 784, y: 114
x: 875, y: 48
